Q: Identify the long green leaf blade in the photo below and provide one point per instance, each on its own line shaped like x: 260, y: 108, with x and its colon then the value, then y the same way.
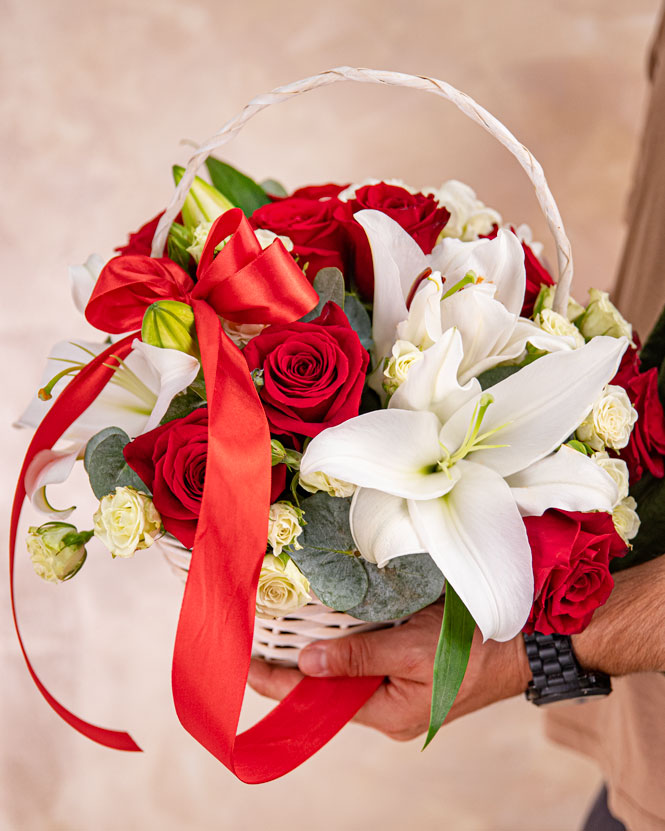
x: 236, y: 186
x: 452, y: 657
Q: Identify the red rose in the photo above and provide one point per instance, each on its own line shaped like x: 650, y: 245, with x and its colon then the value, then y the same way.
x: 318, y: 236
x: 419, y: 215
x: 171, y: 460
x: 313, y: 373
x: 536, y: 276
x: 571, y: 558
x: 646, y: 448
x: 140, y: 242
x: 319, y: 191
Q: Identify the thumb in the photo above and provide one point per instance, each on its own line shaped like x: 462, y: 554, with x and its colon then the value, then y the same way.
x: 365, y: 654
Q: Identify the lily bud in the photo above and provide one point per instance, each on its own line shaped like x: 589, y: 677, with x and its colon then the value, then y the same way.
x: 57, y: 550
x: 169, y: 324
x: 204, y: 203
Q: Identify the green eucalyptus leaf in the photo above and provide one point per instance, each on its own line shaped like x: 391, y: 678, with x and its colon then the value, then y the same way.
x: 236, y: 186
x: 359, y: 320
x: 273, y: 188
x: 329, y: 285
x: 182, y: 405
x: 451, y: 659
x: 327, y: 557
x: 498, y: 373
x: 402, y: 587
x: 105, y: 464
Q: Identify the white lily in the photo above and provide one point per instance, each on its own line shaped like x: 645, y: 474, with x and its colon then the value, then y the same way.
x: 455, y: 479
x: 136, y: 399
x: 486, y: 312
x: 83, y: 279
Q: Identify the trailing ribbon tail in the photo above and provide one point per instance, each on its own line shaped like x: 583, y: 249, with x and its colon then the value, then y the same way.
x: 74, y: 400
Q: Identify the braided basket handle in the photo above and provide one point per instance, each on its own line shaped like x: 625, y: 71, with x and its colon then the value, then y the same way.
x: 373, y: 76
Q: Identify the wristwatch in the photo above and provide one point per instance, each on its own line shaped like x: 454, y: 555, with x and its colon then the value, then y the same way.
x: 557, y: 676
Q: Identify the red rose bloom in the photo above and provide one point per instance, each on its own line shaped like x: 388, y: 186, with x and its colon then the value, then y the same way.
x: 318, y: 236
x: 140, y: 242
x: 171, y: 460
x: 319, y: 191
x: 313, y: 373
x: 419, y: 215
x: 536, y: 276
x: 646, y: 448
x: 571, y: 558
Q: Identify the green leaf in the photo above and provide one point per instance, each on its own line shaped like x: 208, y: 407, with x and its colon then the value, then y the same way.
x: 182, y: 405
x: 273, y: 188
x: 179, y: 239
x: 649, y: 493
x: 450, y: 662
x: 359, y: 320
x: 498, y: 373
x: 236, y: 186
x: 327, y: 557
x: 402, y: 587
x: 329, y: 285
x: 105, y: 464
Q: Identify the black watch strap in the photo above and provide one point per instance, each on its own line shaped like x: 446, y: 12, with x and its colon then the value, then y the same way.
x: 557, y: 676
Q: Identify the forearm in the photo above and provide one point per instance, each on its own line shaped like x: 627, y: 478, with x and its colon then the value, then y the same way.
x: 627, y: 634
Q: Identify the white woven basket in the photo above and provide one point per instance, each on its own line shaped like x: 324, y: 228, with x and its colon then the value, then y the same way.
x: 281, y: 640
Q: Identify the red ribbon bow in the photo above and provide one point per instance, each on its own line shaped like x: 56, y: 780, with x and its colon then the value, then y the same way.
x: 244, y: 284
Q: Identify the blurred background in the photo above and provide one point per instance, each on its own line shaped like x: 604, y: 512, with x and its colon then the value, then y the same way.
x: 97, y: 95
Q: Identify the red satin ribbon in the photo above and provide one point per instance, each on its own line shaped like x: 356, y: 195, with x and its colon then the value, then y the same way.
x: 245, y: 284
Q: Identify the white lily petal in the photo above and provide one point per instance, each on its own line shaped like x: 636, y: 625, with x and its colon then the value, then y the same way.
x: 381, y: 526
x: 432, y: 382
x: 168, y: 371
x: 423, y: 324
x: 537, y: 408
x: 567, y: 480
x: 393, y: 451
x: 526, y: 331
x: 499, y: 261
x: 49, y: 467
x: 476, y: 536
x: 398, y: 260
x: 83, y: 279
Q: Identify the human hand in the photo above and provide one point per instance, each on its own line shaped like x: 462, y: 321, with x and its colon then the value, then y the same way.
x: 400, y: 708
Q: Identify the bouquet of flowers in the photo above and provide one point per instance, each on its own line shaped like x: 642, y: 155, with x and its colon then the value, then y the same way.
x: 352, y: 398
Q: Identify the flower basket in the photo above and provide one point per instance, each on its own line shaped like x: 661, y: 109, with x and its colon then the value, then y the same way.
x: 492, y: 423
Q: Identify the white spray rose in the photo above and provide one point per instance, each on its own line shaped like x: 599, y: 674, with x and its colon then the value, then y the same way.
x: 626, y: 520
x: 617, y: 469
x: 200, y: 235
x: 545, y: 300
x: 282, y: 588
x: 556, y: 324
x: 57, y: 550
x: 610, y: 422
x: 127, y: 521
x: 603, y: 318
x: 319, y: 481
x: 283, y: 526
x: 397, y: 367
x: 469, y: 217
x: 266, y: 238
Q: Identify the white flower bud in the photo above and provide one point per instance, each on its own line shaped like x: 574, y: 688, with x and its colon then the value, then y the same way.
x: 469, y: 217
x: 319, y: 481
x: 266, y: 238
x: 603, y: 318
x: 625, y: 518
x: 200, y: 235
x: 283, y: 526
x: 281, y: 589
x: 617, y: 469
x: 545, y: 300
x: 57, y: 550
x: 610, y: 422
x: 397, y: 367
x: 556, y: 324
x: 127, y: 521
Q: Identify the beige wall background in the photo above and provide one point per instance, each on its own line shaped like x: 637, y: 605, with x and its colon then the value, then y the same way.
x: 96, y: 96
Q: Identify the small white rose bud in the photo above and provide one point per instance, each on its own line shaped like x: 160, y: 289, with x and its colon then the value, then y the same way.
x: 284, y: 526
x: 405, y: 355
x: 603, y: 318
x: 610, y: 422
x: 282, y: 588
x: 319, y: 481
x: 469, y: 217
x: 199, y: 237
x: 266, y: 238
x: 57, y: 550
x: 625, y: 518
x: 556, y: 324
x: 127, y: 521
x: 617, y: 469
x: 545, y: 300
